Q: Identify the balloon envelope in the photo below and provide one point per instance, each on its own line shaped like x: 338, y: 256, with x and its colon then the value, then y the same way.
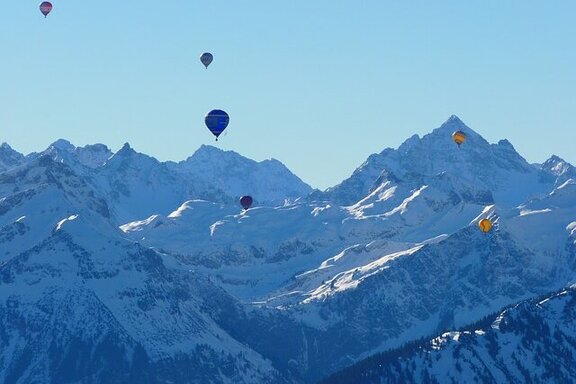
x: 459, y: 137
x: 246, y: 201
x: 485, y: 225
x: 217, y: 121
x: 45, y: 8
x: 206, y: 58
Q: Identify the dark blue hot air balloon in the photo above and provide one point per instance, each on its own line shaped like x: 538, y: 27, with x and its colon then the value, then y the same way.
x: 206, y: 59
x: 217, y: 121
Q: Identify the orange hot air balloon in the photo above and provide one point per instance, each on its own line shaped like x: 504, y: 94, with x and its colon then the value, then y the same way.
x: 485, y: 225
x: 459, y: 137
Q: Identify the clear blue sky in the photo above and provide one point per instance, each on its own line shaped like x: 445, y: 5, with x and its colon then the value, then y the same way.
x: 319, y: 85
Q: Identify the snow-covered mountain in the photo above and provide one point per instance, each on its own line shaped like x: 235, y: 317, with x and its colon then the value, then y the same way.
x: 80, y: 302
x: 9, y: 158
x: 173, y: 274
x: 234, y: 175
x: 497, y: 168
x: 561, y: 169
x: 136, y: 185
x: 531, y: 342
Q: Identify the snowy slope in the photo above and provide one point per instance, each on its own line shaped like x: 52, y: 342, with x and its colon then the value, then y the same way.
x: 494, y: 167
x: 141, y: 186
x: 405, y: 260
x: 62, y: 151
x: 234, y: 175
x: 403, y: 294
x: 136, y: 185
x: 9, y: 158
x: 168, y: 272
x: 533, y: 341
x: 71, y: 286
x: 560, y: 169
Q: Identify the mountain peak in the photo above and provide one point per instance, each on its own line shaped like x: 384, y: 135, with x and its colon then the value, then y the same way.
x: 505, y: 143
x: 93, y: 155
x: 441, y: 137
x: 208, y: 154
x: 5, y: 146
x: 455, y: 123
x: 205, y: 149
x: 98, y: 147
x: 126, y: 150
x: 559, y: 168
x: 209, y: 150
x: 453, y: 119
x: 63, y: 145
x: 485, y: 166
x: 554, y: 159
x: 7, y: 150
x: 9, y: 157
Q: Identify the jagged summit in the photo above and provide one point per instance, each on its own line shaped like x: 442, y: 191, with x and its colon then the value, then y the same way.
x: 160, y: 258
x: 443, y: 134
x: 211, y: 153
x: 484, y: 166
x: 208, y: 153
x: 440, y: 139
x: 209, y: 149
x: 236, y: 175
x: 63, y: 145
x: 506, y: 143
x: 554, y: 159
x: 126, y: 148
x: 454, y: 118
x: 126, y: 153
x: 9, y: 157
x: 454, y: 122
x: 560, y: 169
x: 91, y: 156
x: 131, y: 161
x: 7, y: 153
x: 98, y: 147
x: 557, y: 164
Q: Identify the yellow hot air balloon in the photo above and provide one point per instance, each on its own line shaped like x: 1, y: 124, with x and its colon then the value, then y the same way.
x: 459, y: 137
x: 485, y: 225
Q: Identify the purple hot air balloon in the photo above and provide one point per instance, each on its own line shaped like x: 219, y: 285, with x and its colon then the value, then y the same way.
x: 45, y: 8
x: 246, y: 202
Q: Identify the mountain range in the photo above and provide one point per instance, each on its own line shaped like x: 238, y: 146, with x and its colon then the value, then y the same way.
x: 115, y: 267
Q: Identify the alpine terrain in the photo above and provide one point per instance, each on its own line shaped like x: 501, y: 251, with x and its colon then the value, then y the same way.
x: 118, y: 268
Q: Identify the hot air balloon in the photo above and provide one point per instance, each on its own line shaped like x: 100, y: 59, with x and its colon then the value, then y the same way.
x: 206, y: 59
x: 459, y: 137
x: 246, y: 202
x: 217, y: 121
x: 485, y: 225
x: 45, y: 8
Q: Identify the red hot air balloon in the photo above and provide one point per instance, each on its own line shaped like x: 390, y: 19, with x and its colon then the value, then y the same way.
x: 45, y: 8
x: 246, y: 202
